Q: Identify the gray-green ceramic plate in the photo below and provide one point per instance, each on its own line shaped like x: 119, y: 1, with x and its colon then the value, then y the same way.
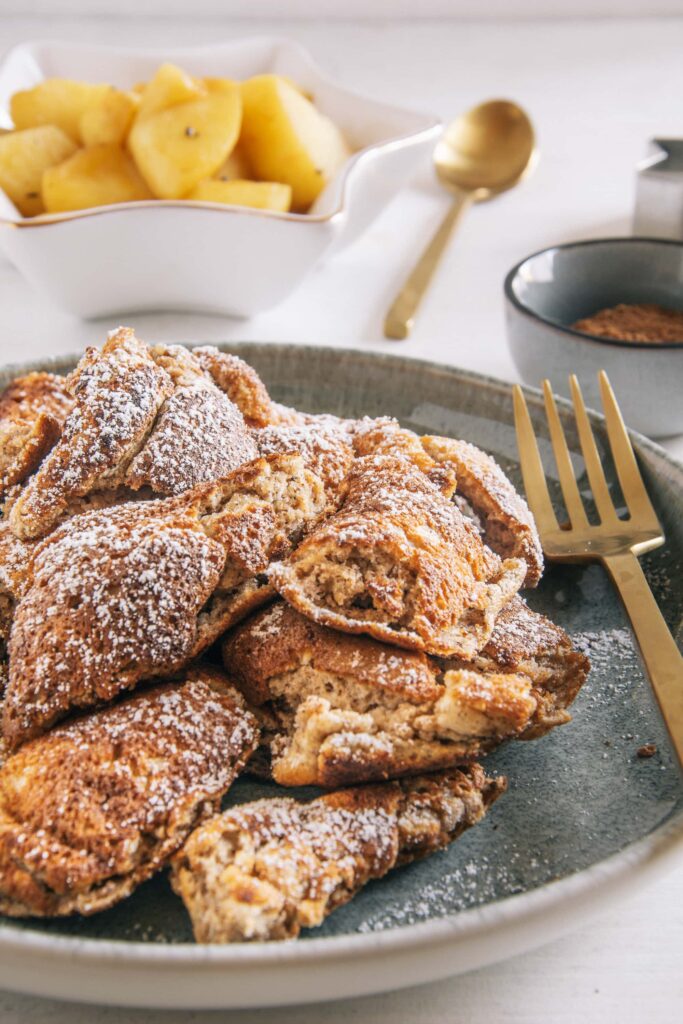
x: 584, y: 822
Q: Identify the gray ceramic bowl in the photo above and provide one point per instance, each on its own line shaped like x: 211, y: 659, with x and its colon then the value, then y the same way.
x: 550, y: 290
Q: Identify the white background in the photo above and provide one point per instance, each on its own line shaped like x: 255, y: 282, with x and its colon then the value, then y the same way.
x: 349, y: 9
x: 596, y: 89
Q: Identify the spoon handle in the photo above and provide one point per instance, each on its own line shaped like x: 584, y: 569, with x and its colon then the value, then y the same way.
x: 399, y: 319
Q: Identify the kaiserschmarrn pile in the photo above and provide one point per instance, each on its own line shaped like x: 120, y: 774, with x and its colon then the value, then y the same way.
x: 319, y: 601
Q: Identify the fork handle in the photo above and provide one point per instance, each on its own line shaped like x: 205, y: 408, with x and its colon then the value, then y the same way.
x: 663, y: 660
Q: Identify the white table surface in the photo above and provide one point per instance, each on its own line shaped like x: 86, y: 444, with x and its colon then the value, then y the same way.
x: 596, y: 91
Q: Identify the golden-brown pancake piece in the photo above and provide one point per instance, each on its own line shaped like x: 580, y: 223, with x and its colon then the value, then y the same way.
x: 265, y: 870
x: 134, y: 592
x: 386, y: 437
x: 507, y: 522
x: 199, y: 435
x: 338, y: 709
x: 145, y: 420
x: 400, y: 562
x: 326, y: 451
x: 32, y: 413
x: 527, y: 643
x: 112, y: 597
x: 240, y: 382
x: 99, y: 804
x: 36, y: 394
x: 117, y: 395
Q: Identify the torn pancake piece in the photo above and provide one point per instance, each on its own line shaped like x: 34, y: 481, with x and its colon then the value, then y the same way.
x: 325, y: 449
x: 99, y: 804
x: 508, y: 525
x: 387, y: 437
x: 257, y: 514
x: 338, y: 709
x: 35, y: 394
x: 146, y: 423
x: 265, y: 870
x: 117, y: 394
x: 15, y: 557
x: 399, y: 561
x: 240, y: 382
x: 33, y: 409
x: 134, y: 592
x: 112, y: 597
x: 199, y: 434
x: 527, y: 643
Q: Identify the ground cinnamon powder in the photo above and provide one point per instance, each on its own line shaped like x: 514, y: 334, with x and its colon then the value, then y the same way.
x: 640, y: 322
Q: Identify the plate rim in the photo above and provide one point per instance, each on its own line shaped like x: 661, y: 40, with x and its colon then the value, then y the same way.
x: 54, y: 362
x: 660, y: 849
x: 585, y: 892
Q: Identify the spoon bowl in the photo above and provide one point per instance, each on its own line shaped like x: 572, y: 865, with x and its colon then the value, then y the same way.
x: 487, y: 150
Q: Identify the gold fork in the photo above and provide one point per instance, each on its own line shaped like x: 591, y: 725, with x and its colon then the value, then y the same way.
x: 615, y: 543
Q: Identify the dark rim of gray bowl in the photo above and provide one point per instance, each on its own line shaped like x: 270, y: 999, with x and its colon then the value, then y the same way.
x: 582, y: 335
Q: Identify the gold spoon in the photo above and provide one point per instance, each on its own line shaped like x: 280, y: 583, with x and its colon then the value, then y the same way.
x: 481, y: 154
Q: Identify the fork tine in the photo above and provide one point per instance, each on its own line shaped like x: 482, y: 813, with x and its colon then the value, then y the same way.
x: 596, y: 474
x: 532, y: 468
x: 570, y: 492
x: 631, y: 481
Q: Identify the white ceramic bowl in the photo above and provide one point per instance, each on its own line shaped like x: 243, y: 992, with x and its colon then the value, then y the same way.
x: 203, y: 256
x: 550, y: 290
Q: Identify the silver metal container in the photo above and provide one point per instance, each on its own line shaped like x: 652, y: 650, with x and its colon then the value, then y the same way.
x: 659, y: 191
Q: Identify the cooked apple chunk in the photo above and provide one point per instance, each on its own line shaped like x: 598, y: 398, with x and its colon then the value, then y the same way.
x: 169, y: 87
x: 286, y: 139
x: 97, y: 176
x: 24, y: 156
x: 264, y: 195
x: 108, y: 118
x: 56, y: 101
x: 177, y: 147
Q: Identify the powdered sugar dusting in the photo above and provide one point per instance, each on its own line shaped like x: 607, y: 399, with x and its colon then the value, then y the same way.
x: 110, y: 601
x: 325, y: 449
x: 266, y: 869
x: 199, y: 435
x: 612, y: 653
x: 117, y: 394
x: 112, y: 794
x: 507, y: 522
x: 457, y: 888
